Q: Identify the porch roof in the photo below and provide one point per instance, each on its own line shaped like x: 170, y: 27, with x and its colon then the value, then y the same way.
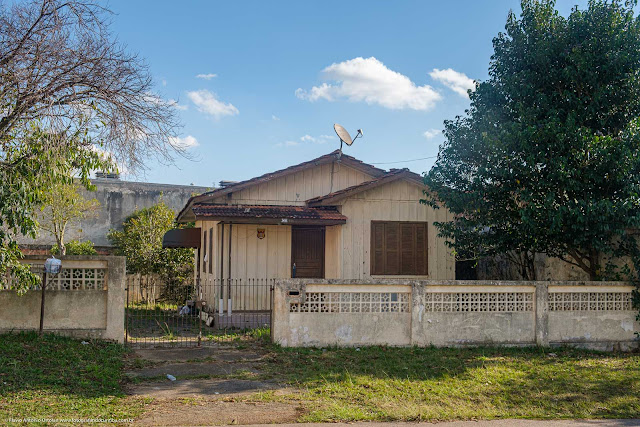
x: 263, y: 214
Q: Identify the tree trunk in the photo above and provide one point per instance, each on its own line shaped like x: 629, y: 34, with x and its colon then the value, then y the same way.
x: 594, y: 265
x: 62, y: 250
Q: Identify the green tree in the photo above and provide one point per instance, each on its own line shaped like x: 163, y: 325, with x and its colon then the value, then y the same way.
x: 140, y: 241
x: 547, y: 157
x: 33, y: 165
x: 63, y: 206
x: 68, y: 91
x: 75, y: 247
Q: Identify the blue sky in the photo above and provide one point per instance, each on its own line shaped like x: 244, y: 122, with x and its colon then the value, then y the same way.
x: 275, y: 76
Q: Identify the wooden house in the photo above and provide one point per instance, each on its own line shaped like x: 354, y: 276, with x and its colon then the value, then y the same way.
x: 332, y: 217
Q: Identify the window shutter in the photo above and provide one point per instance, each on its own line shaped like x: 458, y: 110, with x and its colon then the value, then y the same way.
x: 377, y: 248
x: 399, y: 248
x: 422, y: 250
x: 392, y: 248
x: 408, y: 248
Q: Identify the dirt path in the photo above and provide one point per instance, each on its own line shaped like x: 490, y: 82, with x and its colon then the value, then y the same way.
x: 213, y: 386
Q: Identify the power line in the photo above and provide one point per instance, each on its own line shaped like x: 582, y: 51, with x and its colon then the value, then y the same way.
x: 403, y: 161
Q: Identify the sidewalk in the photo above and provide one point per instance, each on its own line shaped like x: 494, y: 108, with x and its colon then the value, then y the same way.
x: 482, y: 423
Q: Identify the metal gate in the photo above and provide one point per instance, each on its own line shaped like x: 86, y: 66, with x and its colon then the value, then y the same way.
x: 215, y: 311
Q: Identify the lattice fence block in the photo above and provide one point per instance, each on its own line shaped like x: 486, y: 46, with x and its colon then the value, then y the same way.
x: 353, y: 302
x: 590, y: 301
x: 504, y: 302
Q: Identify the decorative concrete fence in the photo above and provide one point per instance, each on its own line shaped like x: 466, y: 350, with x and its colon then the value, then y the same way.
x: 597, y: 315
x: 86, y: 299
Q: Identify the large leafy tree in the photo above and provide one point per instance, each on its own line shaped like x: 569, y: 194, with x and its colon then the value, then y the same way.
x: 69, y: 90
x: 140, y: 241
x: 547, y: 157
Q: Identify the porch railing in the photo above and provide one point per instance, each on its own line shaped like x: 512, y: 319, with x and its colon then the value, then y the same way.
x: 237, y: 303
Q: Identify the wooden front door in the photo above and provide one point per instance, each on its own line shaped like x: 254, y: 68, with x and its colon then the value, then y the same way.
x: 307, y: 251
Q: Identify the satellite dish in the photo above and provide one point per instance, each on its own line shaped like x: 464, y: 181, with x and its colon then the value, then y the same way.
x: 343, y: 134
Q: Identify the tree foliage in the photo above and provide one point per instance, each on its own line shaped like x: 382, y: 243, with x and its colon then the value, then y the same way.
x: 547, y: 157
x: 72, y: 100
x: 140, y: 241
x: 76, y: 247
x: 64, y: 205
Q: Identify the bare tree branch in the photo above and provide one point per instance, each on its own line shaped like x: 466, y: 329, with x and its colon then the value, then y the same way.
x: 60, y: 66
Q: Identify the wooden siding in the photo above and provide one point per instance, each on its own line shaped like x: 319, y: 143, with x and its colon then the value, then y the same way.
x: 296, y: 188
x: 396, y: 201
x: 347, y: 250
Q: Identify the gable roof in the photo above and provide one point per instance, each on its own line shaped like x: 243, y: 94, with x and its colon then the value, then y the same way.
x: 393, y: 175
x: 327, y: 158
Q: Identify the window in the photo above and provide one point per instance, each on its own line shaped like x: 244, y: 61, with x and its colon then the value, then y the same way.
x: 399, y: 248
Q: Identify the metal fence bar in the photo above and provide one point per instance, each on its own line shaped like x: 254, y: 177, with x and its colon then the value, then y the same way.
x: 160, y: 314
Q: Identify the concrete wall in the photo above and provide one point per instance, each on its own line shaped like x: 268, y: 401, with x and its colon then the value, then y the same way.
x: 85, y: 300
x: 118, y: 199
x: 596, y: 315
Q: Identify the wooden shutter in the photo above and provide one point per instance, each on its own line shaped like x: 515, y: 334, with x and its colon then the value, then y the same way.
x: 377, y: 248
x: 399, y: 248
x: 392, y: 248
x: 422, y: 249
x: 407, y: 248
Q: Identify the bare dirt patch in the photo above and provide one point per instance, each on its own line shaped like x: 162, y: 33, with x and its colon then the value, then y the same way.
x: 212, y: 386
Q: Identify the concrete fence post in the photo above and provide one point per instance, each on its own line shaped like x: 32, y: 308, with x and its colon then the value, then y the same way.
x: 542, y: 314
x: 116, y: 278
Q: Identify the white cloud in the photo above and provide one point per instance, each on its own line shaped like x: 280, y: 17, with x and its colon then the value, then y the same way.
x: 206, y: 76
x: 164, y: 82
x: 209, y: 104
x: 369, y: 80
x: 184, y: 143
x: 287, y: 144
x: 457, y: 82
x: 177, y: 106
x: 322, y: 139
x: 308, y: 139
x: 432, y: 133
x: 275, y: 118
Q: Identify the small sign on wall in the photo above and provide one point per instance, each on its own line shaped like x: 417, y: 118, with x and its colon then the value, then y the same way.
x: 261, y: 233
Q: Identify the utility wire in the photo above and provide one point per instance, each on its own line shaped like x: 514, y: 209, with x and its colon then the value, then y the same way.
x: 403, y: 161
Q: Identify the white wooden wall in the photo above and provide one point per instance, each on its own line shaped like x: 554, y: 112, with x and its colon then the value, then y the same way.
x: 347, y: 253
x: 296, y: 188
x: 396, y: 201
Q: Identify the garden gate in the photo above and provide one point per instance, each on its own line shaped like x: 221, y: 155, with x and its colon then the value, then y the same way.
x: 193, y: 315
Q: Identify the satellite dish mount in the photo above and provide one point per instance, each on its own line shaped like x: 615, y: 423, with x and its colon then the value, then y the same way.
x: 344, y: 135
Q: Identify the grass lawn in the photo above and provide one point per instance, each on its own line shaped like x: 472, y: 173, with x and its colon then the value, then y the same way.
x: 57, y: 377
x: 379, y: 383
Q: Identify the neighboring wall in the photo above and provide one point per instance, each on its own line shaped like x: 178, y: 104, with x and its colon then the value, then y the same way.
x: 547, y: 268
x: 85, y: 300
x: 319, y: 313
x: 396, y: 201
x: 119, y: 199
